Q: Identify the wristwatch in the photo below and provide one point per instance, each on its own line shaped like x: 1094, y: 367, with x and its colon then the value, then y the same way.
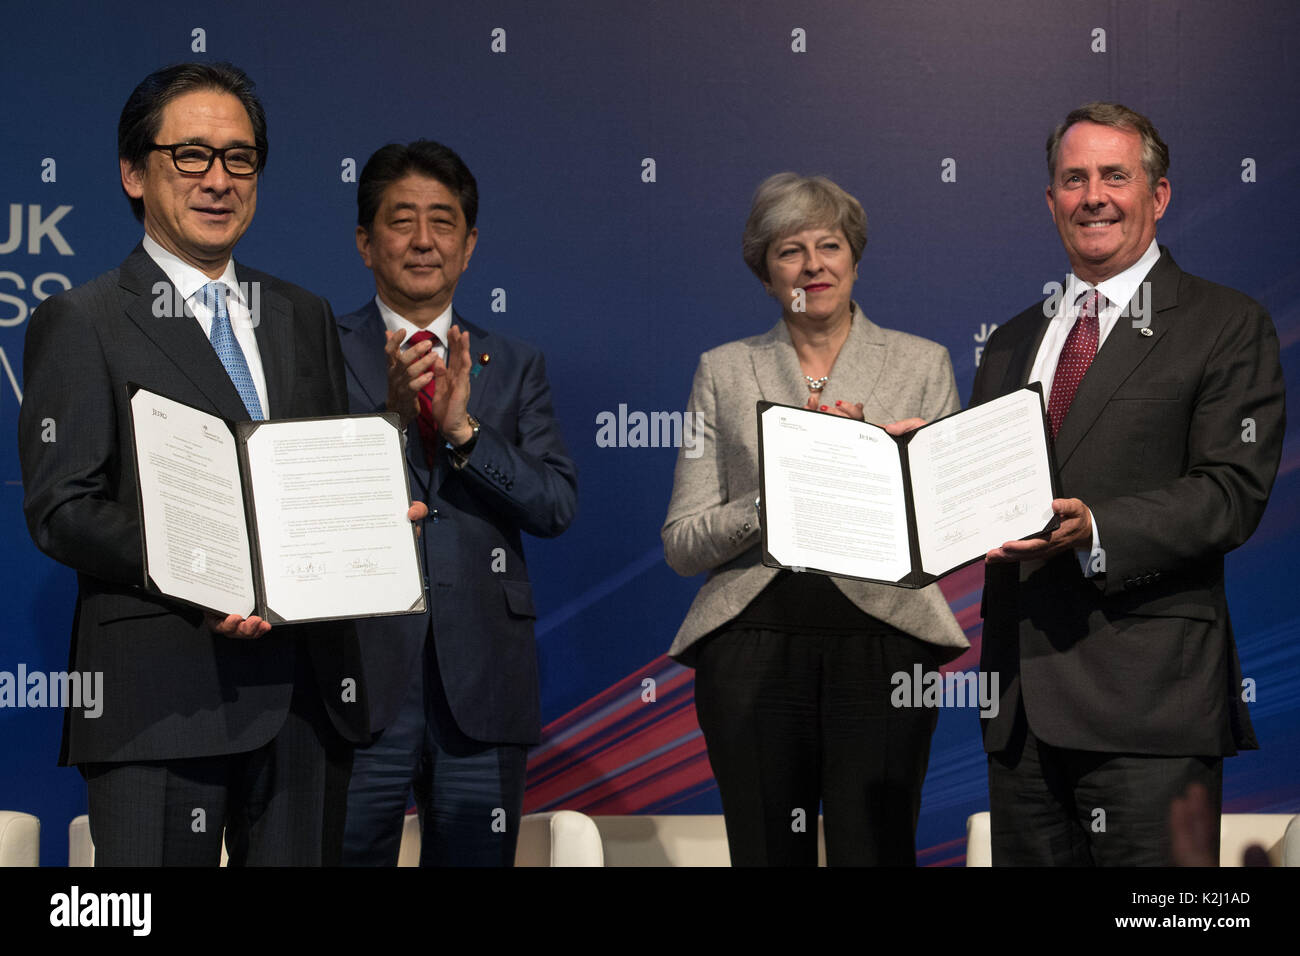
x: 460, y: 454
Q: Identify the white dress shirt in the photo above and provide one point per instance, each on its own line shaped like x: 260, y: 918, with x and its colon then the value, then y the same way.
x: 188, y: 281
x: 441, y: 326
x: 1118, y: 291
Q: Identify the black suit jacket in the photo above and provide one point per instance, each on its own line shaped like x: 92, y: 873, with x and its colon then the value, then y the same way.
x: 172, y: 689
x: 1141, y: 658
x: 519, y: 477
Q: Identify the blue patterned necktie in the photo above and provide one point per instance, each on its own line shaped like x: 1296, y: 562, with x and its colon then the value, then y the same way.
x: 213, y: 295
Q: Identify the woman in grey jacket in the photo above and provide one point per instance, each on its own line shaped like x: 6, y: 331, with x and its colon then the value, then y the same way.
x: 792, y: 685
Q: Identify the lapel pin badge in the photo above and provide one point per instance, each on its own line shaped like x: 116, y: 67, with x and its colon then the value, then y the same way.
x: 1146, y: 331
x: 483, y: 359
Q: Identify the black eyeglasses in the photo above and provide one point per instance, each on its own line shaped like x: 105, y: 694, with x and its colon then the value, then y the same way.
x: 195, y: 158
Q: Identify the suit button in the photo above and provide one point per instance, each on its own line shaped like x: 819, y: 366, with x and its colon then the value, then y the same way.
x: 510, y: 485
x: 433, y: 515
x: 746, y: 525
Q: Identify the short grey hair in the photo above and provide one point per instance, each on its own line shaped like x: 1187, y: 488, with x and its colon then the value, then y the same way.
x: 788, y: 203
x: 1155, y: 154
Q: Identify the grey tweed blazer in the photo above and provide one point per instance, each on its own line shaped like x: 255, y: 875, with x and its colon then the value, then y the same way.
x: 712, y: 525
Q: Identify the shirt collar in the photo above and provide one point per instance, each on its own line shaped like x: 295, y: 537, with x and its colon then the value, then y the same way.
x: 1118, y: 289
x: 441, y: 326
x: 185, y: 277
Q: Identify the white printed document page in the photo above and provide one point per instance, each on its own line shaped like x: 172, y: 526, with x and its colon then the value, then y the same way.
x: 980, y: 478
x: 330, y: 501
x: 192, y: 505
x: 833, y: 495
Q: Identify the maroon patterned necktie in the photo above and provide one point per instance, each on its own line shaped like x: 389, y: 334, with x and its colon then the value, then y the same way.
x: 428, y: 424
x: 1077, y: 354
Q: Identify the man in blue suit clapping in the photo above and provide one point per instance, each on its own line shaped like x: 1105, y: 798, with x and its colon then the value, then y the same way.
x: 453, y: 694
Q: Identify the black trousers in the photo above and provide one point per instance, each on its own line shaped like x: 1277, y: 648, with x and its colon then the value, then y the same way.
x: 792, y: 721
x: 1053, y: 806
x: 282, y: 804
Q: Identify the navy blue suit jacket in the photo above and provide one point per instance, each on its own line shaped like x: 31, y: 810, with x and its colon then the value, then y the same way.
x: 519, y: 477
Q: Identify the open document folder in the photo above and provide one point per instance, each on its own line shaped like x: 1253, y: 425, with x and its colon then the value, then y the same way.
x: 846, y: 498
x: 292, y: 520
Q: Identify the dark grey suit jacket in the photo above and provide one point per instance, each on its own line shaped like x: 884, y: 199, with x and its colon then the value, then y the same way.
x: 172, y: 689
x: 1141, y: 659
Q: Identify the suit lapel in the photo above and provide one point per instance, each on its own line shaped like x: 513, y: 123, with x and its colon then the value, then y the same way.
x: 178, y: 336
x: 854, y: 376
x: 858, y: 368
x: 776, y: 368
x: 363, y: 353
x: 1124, y: 349
x: 480, y: 344
x: 273, y: 329
x: 1022, y: 358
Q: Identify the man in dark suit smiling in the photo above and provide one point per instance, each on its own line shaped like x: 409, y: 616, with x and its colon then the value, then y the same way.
x: 1121, y: 680
x: 207, y: 722
x: 454, y: 696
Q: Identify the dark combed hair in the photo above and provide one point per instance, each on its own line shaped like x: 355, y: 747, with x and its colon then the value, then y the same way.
x: 137, y: 130
x: 1155, y: 154
x: 425, y: 157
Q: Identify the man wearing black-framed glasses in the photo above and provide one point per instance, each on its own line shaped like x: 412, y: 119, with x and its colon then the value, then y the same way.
x: 197, y: 159
x: 207, y: 723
